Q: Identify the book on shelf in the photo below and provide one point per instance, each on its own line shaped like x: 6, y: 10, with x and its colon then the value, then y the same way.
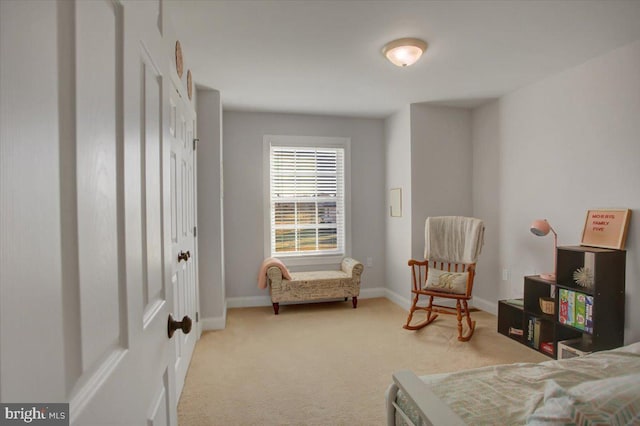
x: 564, y: 306
x: 534, y: 326
x: 530, y: 330
x: 547, y: 347
x: 516, y: 331
x: 571, y: 308
x: 580, y: 310
x: 576, y: 310
x: 588, y: 323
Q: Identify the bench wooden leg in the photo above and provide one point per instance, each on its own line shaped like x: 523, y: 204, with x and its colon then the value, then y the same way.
x: 276, y: 308
x: 354, y: 301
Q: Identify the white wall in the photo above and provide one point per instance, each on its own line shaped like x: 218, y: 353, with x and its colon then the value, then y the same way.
x: 398, y: 229
x: 428, y: 155
x: 210, y: 237
x: 243, y: 185
x: 441, y: 162
x: 566, y: 144
x: 486, y: 199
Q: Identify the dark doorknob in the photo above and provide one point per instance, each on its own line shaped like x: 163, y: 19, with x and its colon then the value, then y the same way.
x: 184, y: 255
x: 173, y: 325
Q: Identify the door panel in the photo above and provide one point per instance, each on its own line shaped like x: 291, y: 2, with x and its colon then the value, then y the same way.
x: 159, y: 410
x: 183, y: 196
x: 174, y: 199
x: 151, y: 164
x: 183, y: 278
x: 100, y: 277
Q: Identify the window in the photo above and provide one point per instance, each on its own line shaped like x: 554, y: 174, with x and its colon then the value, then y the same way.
x: 307, y: 196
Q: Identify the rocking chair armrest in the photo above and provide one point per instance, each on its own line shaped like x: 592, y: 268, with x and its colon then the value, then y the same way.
x: 431, y: 409
x: 417, y: 265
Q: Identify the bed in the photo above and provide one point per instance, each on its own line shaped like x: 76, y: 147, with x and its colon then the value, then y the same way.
x: 598, y: 389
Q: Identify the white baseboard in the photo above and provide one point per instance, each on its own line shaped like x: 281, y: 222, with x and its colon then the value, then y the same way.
x: 248, y: 301
x: 215, y: 323
x: 254, y: 301
x: 476, y: 302
x: 403, y: 302
x: 372, y: 293
x: 219, y: 323
x: 485, y: 305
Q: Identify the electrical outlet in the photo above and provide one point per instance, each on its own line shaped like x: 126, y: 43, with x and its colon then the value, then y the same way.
x: 369, y: 262
x: 505, y: 275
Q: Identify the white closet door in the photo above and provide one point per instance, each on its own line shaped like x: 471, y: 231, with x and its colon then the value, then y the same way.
x: 183, y: 278
x: 86, y: 291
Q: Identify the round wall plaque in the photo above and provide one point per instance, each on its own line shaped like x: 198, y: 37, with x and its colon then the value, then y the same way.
x: 189, y: 84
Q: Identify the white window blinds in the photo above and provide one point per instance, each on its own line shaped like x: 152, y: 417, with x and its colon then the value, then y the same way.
x: 307, y: 200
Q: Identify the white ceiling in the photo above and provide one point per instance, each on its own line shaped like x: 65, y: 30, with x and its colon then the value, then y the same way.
x: 324, y: 57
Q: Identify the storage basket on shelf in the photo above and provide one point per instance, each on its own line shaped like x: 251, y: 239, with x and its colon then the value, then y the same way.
x: 547, y: 305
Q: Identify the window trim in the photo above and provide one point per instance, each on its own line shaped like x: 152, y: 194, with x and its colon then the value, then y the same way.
x: 306, y: 141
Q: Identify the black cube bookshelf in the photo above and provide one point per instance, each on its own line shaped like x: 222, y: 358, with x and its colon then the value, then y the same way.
x: 596, y: 327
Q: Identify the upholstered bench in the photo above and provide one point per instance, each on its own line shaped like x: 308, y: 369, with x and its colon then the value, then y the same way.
x: 316, y: 285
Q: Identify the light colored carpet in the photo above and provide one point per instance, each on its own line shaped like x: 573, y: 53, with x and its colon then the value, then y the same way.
x: 325, y: 364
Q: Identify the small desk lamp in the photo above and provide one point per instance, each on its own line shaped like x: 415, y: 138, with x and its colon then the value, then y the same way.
x: 541, y: 228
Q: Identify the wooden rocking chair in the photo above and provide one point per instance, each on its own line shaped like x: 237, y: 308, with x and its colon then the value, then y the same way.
x: 419, y: 274
x: 452, y: 246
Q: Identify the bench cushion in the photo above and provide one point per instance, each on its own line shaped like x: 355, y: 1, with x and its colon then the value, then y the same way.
x: 318, y: 275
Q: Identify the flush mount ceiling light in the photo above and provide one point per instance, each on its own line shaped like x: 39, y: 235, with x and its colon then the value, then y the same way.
x: 404, y: 51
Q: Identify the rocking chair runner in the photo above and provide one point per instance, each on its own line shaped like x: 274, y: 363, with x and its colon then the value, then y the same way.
x: 452, y: 245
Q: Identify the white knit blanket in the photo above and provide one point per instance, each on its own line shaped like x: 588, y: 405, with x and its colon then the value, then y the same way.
x: 453, y: 239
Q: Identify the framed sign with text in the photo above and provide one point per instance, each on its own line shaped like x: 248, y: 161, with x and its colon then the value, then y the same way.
x: 606, y: 228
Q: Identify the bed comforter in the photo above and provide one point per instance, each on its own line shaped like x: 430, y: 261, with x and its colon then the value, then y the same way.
x: 602, y: 388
